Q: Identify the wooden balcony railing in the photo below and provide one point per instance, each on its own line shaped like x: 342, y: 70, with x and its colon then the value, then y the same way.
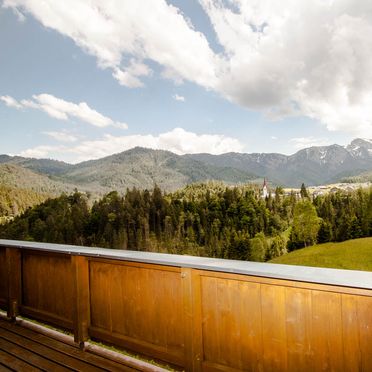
x: 201, y: 314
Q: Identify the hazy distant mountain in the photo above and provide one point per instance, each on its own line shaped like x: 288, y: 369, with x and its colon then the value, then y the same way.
x: 138, y: 167
x: 314, y: 165
x: 45, y: 166
x: 16, y: 176
x: 143, y: 168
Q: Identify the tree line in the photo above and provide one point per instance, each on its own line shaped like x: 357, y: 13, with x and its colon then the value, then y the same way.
x: 203, y: 219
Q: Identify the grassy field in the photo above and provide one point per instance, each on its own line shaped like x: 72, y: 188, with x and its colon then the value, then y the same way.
x: 353, y: 254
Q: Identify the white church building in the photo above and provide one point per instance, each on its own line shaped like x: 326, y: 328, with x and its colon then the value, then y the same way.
x: 265, y: 192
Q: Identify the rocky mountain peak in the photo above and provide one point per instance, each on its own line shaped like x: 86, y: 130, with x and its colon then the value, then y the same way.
x: 361, y: 148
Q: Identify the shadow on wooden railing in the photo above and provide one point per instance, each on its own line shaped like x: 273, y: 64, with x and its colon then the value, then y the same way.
x: 196, y: 313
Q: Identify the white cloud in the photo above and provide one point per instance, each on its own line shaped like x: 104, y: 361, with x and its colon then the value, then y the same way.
x: 304, y: 142
x: 179, y: 98
x: 10, y: 102
x: 178, y: 141
x: 274, y: 59
x: 40, y: 151
x: 64, y: 110
x: 62, y: 136
x: 280, y: 63
x: 20, y: 16
x: 119, y: 31
x: 130, y: 77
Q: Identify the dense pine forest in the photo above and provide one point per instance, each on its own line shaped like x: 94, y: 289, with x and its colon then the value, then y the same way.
x: 201, y: 219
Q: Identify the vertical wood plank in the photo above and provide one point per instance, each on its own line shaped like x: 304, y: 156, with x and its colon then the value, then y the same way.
x: 192, y: 319
x: 251, y: 327
x: 226, y: 323
x: 273, y: 328
x: 139, y: 306
x: 327, y: 331
x: 350, y: 333
x: 99, y: 286
x: 232, y: 333
x: 210, y: 315
x: 365, y: 331
x: 80, y: 266
x: 3, y: 278
x: 298, y: 329
x: 48, y: 288
x: 116, y: 298
x: 14, y: 271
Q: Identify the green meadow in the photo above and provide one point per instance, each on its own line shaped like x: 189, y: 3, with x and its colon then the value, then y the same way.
x: 353, y: 254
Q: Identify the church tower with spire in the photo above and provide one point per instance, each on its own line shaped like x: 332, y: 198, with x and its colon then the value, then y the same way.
x: 265, y: 192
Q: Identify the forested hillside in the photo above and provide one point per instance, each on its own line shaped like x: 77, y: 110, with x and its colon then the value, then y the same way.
x: 41, y: 166
x: 16, y: 176
x: 138, y: 167
x: 14, y: 201
x: 363, y: 177
x: 208, y: 220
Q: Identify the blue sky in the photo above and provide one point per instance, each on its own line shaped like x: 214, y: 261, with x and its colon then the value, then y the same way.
x: 184, y: 76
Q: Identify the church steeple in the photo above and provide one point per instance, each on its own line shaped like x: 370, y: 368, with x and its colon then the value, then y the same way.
x: 265, y: 192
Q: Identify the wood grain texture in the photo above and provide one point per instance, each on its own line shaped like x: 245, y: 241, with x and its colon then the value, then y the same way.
x: 327, y: 338
x: 47, y: 285
x: 193, y: 341
x: 232, y: 331
x: 252, y: 326
x: 81, y: 298
x: 138, y: 303
x: 364, y: 309
x: 196, y: 319
x: 298, y: 320
x: 352, y: 357
x: 273, y: 328
x: 3, y: 279
x: 47, y: 354
x: 14, y: 279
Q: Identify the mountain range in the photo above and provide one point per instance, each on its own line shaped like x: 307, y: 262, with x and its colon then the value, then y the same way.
x: 314, y: 165
x: 143, y: 168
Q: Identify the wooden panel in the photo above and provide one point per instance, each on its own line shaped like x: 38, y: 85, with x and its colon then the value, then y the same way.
x: 3, y: 278
x: 14, y: 282
x: 365, y: 332
x: 192, y: 319
x: 327, y: 338
x: 174, y: 357
x: 48, y: 285
x: 141, y: 302
x: 80, y: 266
x: 289, y: 283
x: 298, y: 329
x: 352, y: 352
x: 283, y: 327
x: 231, y: 313
x: 47, y: 317
x: 201, y: 320
x: 274, y: 328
